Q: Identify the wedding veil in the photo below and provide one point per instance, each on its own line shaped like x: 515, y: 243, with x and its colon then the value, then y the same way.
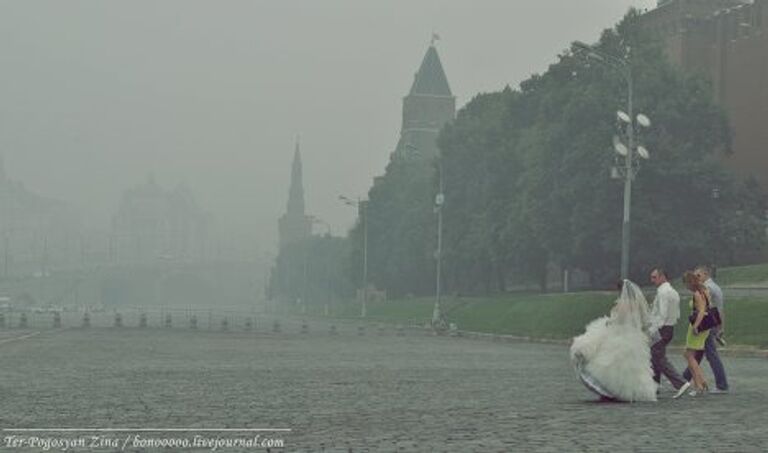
x: 631, y: 308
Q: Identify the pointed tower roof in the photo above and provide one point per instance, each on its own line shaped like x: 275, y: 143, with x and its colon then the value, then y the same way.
x: 296, y: 194
x: 295, y: 225
x: 431, y: 80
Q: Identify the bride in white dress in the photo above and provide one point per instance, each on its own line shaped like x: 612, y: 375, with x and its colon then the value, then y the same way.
x: 613, y: 357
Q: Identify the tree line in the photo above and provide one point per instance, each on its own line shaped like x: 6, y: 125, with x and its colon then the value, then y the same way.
x: 526, y: 176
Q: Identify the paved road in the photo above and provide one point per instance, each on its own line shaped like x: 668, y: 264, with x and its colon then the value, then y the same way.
x: 378, y: 392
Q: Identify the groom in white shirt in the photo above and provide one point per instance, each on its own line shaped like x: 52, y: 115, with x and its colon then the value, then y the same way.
x: 664, y: 316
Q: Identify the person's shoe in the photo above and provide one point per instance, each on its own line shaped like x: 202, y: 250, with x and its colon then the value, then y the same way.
x: 700, y: 392
x: 717, y: 391
x: 697, y: 392
x: 681, y: 390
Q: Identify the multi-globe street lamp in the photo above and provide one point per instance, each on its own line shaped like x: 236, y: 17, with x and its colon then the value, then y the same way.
x: 630, y: 151
x: 362, y: 209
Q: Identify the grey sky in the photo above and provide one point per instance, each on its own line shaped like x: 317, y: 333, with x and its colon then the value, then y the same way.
x: 95, y: 95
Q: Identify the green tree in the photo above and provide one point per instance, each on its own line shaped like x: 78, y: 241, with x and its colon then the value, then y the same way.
x: 400, y: 229
x: 530, y: 171
x: 526, y: 182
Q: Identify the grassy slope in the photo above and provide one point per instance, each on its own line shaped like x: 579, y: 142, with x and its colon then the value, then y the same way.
x: 555, y: 316
x: 561, y: 316
x: 743, y: 275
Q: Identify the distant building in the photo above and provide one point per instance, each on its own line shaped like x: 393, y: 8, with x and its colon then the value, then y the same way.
x: 426, y: 108
x: 295, y: 225
x: 727, y: 41
x: 37, y: 233
x: 154, y: 224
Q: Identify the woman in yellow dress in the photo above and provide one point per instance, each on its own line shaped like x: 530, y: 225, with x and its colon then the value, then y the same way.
x: 695, y: 339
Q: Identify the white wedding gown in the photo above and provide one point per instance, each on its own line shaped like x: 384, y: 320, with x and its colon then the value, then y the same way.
x: 613, y: 357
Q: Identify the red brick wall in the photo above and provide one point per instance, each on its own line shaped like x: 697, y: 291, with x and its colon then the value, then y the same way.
x: 728, y: 44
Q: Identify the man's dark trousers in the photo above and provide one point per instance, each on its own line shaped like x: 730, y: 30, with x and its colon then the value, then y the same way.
x: 659, y: 361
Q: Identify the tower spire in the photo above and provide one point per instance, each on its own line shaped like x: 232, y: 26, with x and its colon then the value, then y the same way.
x: 426, y: 108
x: 295, y: 225
x: 296, y: 193
x: 430, y: 80
x: 435, y: 38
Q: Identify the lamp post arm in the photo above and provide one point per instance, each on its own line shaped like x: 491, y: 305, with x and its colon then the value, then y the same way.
x: 362, y: 210
x: 622, y: 66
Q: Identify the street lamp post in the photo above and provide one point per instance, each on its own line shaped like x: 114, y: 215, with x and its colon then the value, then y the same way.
x: 439, y: 199
x: 437, y: 318
x: 628, y: 168
x: 719, y: 242
x: 362, y: 208
x: 627, y: 178
x: 317, y: 220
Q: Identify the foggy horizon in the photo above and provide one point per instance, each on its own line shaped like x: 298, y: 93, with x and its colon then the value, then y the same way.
x: 458, y: 264
x: 97, y: 96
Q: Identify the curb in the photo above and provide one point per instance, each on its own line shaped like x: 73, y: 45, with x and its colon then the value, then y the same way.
x: 733, y: 351
x: 20, y: 337
x: 420, y: 328
x: 509, y: 338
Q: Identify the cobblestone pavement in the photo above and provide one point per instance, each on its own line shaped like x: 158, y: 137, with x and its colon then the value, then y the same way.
x: 351, y: 392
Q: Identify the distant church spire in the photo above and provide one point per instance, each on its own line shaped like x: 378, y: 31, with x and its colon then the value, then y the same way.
x: 296, y: 193
x: 295, y: 225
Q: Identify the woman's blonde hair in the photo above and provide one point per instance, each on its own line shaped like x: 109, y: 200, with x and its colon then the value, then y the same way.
x: 692, y: 281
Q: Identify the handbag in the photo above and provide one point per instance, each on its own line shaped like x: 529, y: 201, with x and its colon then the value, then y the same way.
x: 711, y: 317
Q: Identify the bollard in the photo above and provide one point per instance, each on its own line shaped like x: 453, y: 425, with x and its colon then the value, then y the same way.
x: 248, y: 324
x: 304, y: 327
x: 118, y: 320
x: 168, y: 321
x: 361, y: 330
x: 143, y: 320
x: 276, y: 326
x: 333, y: 329
x: 193, y: 322
x: 56, y: 320
x: 86, y: 319
x: 23, y: 321
x: 224, y: 324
